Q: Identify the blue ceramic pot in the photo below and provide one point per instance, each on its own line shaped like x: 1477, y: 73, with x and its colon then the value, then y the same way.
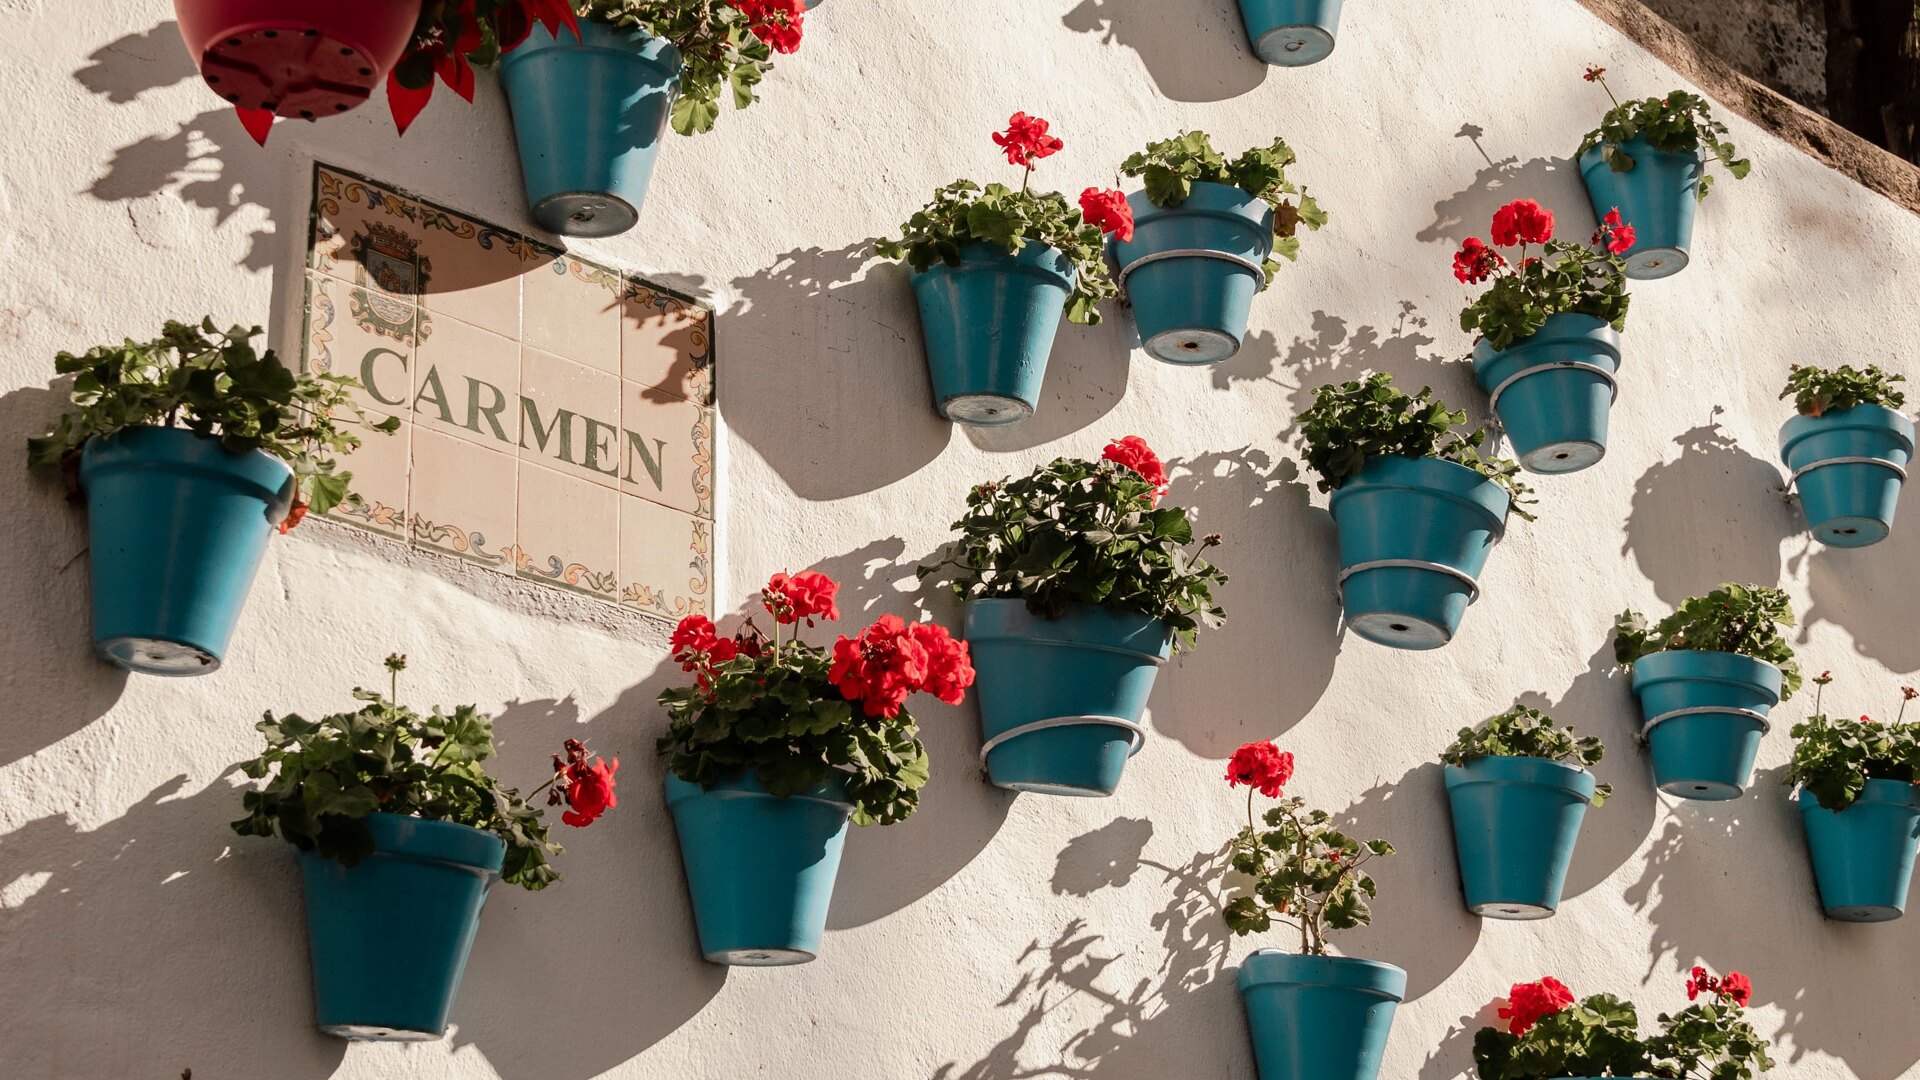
x: 1848, y: 466
x: 988, y: 324
x: 1657, y: 197
x: 589, y: 114
x: 1515, y: 821
x: 1553, y: 391
x: 1414, y: 536
x: 1863, y: 855
x: 1705, y: 714
x: 390, y: 935
x: 760, y: 867
x: 1319, y: 1017
x: 1291, y: 33
x: 1191, y: 271
x: 176, y: 528
x: 1061, y: 699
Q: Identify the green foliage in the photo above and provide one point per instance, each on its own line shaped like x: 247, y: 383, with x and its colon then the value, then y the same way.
x: 773, y: 711
x: 1352, y: 421
x: 1710, y: 1040
x: 1567, y: 278
x: 1526, y: 732
x: 1171, y: 167
x: 328, y: 775
x: 1305, y: 873
x: 718, y: 51
x: 1817, y: 390
x: 964, y: 212
x: 1084, y: 532
x: 1833, y: 758
x: 1743, y: 619
x: 1675, y: 124
x: 1598, y: 1036
x: 213, y: 384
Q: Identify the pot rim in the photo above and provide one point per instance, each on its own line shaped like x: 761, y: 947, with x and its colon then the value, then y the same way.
x: 1800, y: 427
x: 1724, y: 667
x: 1270, y: 967
x: 1481, y: 493
x: 1522, y: 770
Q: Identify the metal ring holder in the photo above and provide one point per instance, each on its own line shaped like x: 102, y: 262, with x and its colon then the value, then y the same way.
x: 1823, y: 462
x: 1137, y: 733
x: 1701, y: 710
x: 1493, y: 399
x: 1194, y: 253
x: 1473, y: 587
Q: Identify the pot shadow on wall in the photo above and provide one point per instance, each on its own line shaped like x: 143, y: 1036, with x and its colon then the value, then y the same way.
x: 47, y: 667
x: 1553, y: 182
x: 208, y: 162
x: 1599, y: 702
x: 830, y: 386
x: 885, y: 868
x: 1073, y: 1018
x: 1452, y: 1057
x: 185, y: 942
x: 1193, y: 52
x: 1257, y: 676
x: 1849, y: 589
x: 1715, y: 874
x: 1714, y: 514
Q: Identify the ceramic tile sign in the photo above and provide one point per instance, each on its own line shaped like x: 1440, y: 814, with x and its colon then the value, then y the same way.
x: 556, y: 414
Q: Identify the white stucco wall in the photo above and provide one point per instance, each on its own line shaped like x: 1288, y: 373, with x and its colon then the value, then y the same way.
x: 991, y: 937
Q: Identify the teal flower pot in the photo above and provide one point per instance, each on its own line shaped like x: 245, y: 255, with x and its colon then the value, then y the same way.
x: 1863, y: 855
x: 1657, y: 197
x: 589, y: 114
x: 1515, y: 821
x: 1191, y: 271
x: 1061, y: 699
x: 1705, y: 714
x: 760, y: 867
x: 176, y: 528
x: 1553, y: 391
x: 1848, y: 466
x: 1414, y: 536
x: 988, y: 324
x: 390, y: 935
x: 1291, y: 33
x: 1319, y: 1017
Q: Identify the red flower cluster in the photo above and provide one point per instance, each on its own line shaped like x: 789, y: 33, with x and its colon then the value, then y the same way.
x: 792, y: 597
x: 1109, y: 211
x: 776, y: 22
x: 1475, y: 262
x: 1614, y: 234
x: 1260, y: 765
x: 1528, y: 1003
x: 294, y: 515
x: 1735, y: 987
x: 1594, y: 74
x: 584, y: 783
x: 1134, y: 453
x: 512, y: 22
x: 698, y: 646
x: 1026, y: 140
x: 1522, y: 221
x: 890, y: 661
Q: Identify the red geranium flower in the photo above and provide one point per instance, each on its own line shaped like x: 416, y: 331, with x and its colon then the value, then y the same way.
x: 1109, y: 211
x: 881, y: 667
x: 585, y: 783
x: 1736, y: 987
x: 297, y: 512
x: 1026, y: 140
x: 949, y: 662
x: 1528, y: 1003
x: 776, y: 22
x: 1616, y: 234
x: 1475, y: 262
x: 1594, y: 74
x: 1134, y: 453
x: 1260, y: 765
x: 792, y: 597
x: 1522, y: 221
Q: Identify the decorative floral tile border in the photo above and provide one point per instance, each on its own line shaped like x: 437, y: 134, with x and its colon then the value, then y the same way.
x: 556, y: 414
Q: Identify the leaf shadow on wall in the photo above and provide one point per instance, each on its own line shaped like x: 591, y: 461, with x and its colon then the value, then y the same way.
x: 520, y: 1002
x: 208, y: 162
x: 1712, y: 878
x: 1193, y: 52
x: 1552, y: 182
x: 172, y: 943
x: 1088, y: 371
x: 1452, y: 1058
x: 1230, y: 689
x: 47, y: 581
x: 822, y: 373
x: 1849, y: 589
x: 1332, y: 352
x: 1074, y: 1020
x: 1714, y: 514
x: 1599, y: 702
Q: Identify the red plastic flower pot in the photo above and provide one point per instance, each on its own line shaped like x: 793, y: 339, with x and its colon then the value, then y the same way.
x: 296, y: 58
